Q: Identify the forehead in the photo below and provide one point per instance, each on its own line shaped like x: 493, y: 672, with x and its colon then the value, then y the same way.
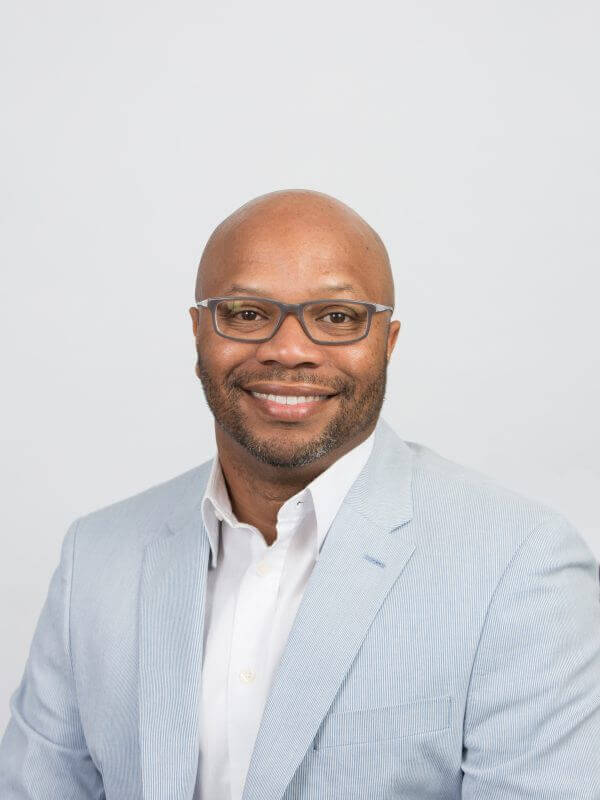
x: 294, y: 259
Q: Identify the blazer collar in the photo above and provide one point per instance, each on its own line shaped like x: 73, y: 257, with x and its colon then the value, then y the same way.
x: 383, y: 491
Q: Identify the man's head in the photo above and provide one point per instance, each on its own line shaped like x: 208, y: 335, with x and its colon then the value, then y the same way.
x: 295, y: 246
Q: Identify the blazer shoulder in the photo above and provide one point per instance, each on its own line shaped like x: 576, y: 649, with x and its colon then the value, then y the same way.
x: 139, y: 517
x: 472, y: 504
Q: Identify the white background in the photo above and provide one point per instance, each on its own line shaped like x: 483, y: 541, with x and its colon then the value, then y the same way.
x: 466, y: 133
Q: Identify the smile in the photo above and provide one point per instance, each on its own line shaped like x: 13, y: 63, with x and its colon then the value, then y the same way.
x: 289, y: 407
x: 290, y: 400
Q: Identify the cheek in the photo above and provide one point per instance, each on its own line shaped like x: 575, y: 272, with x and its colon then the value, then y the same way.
x: 219, y: 355
x: 360, y: 362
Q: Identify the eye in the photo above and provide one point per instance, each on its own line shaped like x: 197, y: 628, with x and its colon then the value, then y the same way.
x: 336, y: 316
x: 246, y: 314
x: 235, y: 311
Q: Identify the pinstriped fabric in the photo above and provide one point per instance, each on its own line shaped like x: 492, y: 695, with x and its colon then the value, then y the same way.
x: 447, y: 646
x: 366, y: 726
x: 442, y: 615
x: 170, y: 648
x: 43, y: 752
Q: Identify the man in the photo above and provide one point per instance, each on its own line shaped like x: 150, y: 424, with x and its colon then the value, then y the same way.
x: 323, y: 611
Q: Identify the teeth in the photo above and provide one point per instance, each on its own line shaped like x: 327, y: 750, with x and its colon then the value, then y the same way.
x: 289, y: 400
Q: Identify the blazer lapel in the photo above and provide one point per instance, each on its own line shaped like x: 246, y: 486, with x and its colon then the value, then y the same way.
x: 171, y: 625
x: 363, y: 555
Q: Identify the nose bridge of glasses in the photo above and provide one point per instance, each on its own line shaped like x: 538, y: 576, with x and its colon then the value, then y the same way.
x: 295, y: 311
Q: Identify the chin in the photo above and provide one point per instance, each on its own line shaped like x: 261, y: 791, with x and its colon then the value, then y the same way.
x: 271, y: 450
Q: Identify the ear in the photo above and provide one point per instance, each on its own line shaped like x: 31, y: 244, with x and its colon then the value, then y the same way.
x: 393, y: 332
x: 194, y: 316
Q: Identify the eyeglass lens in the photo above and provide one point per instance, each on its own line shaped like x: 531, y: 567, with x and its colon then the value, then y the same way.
x: 257, y: 319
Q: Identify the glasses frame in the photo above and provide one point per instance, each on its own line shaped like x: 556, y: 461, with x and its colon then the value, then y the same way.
x: 296, y: 310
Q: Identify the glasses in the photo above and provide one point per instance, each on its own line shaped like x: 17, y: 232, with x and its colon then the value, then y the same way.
x: 257, y: 319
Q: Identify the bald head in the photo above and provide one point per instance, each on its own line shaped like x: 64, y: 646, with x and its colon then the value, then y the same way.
x: 290, y: 237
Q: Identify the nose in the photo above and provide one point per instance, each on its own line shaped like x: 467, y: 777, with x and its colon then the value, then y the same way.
x: 290, y: 346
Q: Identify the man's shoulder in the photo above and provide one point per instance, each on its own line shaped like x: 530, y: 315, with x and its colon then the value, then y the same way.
x: 143, y: 515
x: 437, y: 474
x: 461, y: 505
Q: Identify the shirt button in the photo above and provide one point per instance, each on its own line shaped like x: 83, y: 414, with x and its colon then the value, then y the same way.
x: 247, y: 676
x: 263, y: 568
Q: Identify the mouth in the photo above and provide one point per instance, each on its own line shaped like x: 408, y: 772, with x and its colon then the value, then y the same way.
x: 288, y: 407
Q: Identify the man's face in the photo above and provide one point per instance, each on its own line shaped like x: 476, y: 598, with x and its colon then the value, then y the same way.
x: 292, y: 268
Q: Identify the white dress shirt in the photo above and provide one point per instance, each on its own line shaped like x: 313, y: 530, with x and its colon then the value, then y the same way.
x: 252, y: 596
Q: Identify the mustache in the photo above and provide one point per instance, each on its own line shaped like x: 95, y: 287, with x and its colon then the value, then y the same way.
x: 333, y: 384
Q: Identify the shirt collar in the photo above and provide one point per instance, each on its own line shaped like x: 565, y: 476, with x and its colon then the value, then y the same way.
x: 329, y: 489
x: 216, y: 506
x: 327, y: 492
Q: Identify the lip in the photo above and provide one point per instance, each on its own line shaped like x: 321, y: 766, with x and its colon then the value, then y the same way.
x: 288, y: 389
x: 288, y: 413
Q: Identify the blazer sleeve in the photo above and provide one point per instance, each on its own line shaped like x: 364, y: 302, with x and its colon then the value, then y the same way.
x: 532, y: 720
x: 43, y: 753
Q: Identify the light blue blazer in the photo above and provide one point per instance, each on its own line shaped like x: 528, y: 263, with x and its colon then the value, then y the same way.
x: 447, y: 646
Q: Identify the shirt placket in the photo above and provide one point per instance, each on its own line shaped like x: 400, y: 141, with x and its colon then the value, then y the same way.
x: 251, y: 632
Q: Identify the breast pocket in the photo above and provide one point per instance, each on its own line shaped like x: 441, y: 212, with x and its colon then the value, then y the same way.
x: 368, y: 725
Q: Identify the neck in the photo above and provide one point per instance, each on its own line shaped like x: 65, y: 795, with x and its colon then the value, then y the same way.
x: 258, y: 490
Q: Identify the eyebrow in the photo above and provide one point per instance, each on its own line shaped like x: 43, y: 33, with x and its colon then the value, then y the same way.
x: 236, y: 288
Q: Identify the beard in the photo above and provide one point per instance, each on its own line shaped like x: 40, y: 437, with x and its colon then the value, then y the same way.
x: 357, y: 412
